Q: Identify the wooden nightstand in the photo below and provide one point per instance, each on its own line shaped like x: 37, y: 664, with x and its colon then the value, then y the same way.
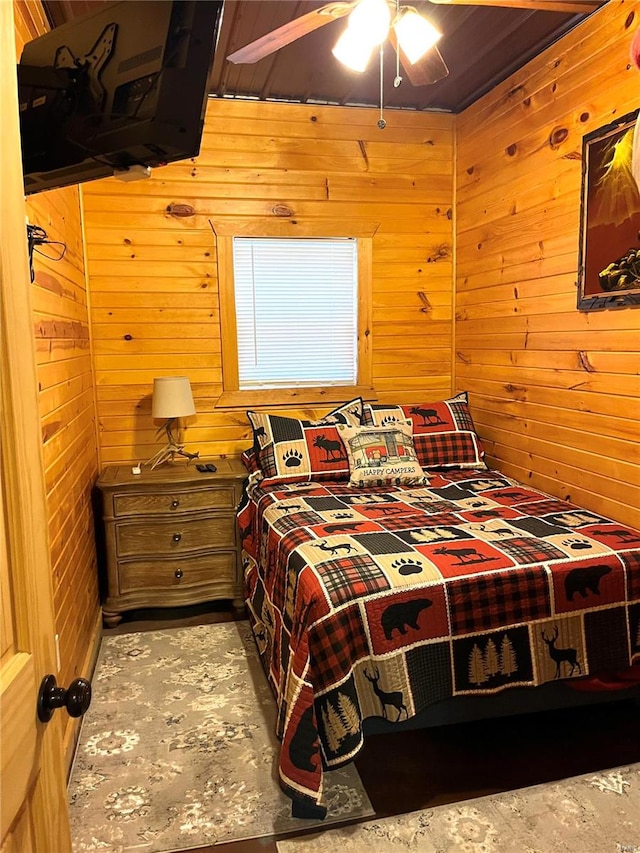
x: 171, y: 536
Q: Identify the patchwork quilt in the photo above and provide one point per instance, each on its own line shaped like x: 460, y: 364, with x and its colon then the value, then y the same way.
x: 380, y: 602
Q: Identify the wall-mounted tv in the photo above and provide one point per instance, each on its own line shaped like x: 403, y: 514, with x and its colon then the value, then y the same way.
x: 121, y: 87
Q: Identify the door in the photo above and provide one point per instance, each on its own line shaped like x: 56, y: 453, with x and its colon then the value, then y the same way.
x: 33, y: 810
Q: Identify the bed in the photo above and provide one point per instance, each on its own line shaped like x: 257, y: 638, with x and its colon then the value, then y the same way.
x: 382, y: 597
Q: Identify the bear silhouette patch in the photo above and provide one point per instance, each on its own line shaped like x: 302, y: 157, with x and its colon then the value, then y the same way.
x: 403, y: 615
x: 585, y: 580
x: 303, y: 746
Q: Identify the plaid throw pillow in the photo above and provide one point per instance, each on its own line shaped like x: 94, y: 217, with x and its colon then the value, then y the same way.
x: 380, y: 456
x: 443, y: 433
x: 297, y: 451
x: 250, y: 460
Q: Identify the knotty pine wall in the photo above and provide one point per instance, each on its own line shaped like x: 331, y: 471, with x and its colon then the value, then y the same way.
x: 153, y: 276
x: 555, y: 392
x: 67, y: 410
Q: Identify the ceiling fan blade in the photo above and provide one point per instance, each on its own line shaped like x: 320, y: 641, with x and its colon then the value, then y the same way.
x: 287, y: 33
x: 425, y: 71
x: 568, y: 6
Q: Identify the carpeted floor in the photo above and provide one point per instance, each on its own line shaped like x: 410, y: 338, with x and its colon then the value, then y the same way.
x: 595, y: 813
x: 178, y: 748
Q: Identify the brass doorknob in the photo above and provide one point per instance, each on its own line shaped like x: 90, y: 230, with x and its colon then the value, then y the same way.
x: 76, y: 699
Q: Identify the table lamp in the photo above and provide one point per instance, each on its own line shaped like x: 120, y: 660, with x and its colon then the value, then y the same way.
x: 172, y: 399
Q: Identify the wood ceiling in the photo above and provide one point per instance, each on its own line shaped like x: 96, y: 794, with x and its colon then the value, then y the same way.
x: 480, y: 45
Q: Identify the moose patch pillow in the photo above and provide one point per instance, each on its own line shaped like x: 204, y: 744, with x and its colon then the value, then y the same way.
x: 298, y: 451
x: 443, y: 433
x: 381, y: 456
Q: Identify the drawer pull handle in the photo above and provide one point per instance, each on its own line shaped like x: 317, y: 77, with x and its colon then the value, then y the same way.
x: 178, y: 573
x: 177, y: 537
x: 175, y: 504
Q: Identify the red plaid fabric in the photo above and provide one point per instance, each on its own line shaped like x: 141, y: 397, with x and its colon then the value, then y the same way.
x: 448, y: 448
x: 542, y: 507
x: 295, y: 520
x: 249, y: 459
x: 486, y: 602
x: 443, y: 432
x: 335, y: 645
x: 632, y: 565
x: 351, y: 577
x: 404, y: 522
x: 528, y: 551
x: 285, y: 553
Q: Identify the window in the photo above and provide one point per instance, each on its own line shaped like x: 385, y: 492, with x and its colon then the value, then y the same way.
x: 295, y: 318
x: 296, y: 307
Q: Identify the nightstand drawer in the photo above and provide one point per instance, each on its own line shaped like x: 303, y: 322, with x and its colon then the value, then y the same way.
x: 208, y: 569
x: 191, y: 500
x: 176, y: 536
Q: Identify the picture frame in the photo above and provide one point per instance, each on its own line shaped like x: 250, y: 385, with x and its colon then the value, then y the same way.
x: 608, y: 271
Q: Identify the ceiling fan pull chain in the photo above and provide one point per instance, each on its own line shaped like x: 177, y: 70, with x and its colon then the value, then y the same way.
x: 381, y: 122
x: 397, y: 80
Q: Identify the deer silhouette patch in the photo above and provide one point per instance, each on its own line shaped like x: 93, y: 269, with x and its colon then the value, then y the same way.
x: 395, y: 699
x: 585, y: 580
x: 403, y: 615
x: 334, y: 549
x: 560, y: 656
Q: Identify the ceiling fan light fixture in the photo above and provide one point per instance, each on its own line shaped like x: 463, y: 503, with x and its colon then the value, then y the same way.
x: 416, y: 35
x: 370, y: 19
x: 352, y: 50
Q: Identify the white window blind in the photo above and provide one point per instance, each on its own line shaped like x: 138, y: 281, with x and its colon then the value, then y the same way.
x: 296, y: 311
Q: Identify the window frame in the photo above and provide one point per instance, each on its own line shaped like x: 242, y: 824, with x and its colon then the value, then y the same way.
x: 232, y: 396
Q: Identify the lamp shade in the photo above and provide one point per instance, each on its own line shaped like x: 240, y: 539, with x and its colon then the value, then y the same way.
x: 172, y: 397
x: 370, y: 21
x: 416, y: 35
x: 352, y: 51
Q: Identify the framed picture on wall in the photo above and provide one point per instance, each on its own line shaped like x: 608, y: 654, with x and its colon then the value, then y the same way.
x: 609, y: 261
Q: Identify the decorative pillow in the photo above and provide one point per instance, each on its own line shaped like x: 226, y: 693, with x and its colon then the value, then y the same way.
x: 291, y: 450
x: 382, y: 455
x: 443, y: 433
x: 249, y: 459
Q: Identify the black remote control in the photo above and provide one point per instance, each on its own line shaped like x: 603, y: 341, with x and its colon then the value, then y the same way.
x: 206, y: 468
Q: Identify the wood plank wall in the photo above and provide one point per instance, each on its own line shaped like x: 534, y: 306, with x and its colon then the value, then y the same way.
x: 153, y: 278
x: 555, y: 393
x: 67, y: 411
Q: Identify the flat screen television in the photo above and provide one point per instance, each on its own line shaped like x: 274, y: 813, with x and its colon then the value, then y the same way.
x: 122, y: 87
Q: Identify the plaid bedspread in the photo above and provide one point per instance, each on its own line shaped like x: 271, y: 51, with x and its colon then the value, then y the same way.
x: 381, y: 602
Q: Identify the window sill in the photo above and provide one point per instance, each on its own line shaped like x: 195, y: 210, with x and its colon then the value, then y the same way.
x: 321, y: 395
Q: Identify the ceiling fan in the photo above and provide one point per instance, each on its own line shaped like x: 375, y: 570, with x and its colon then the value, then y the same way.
x: 370, y: 22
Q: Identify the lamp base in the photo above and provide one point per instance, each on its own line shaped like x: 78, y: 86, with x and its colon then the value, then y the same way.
x: 168, y: 454
x: 170, y: 450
